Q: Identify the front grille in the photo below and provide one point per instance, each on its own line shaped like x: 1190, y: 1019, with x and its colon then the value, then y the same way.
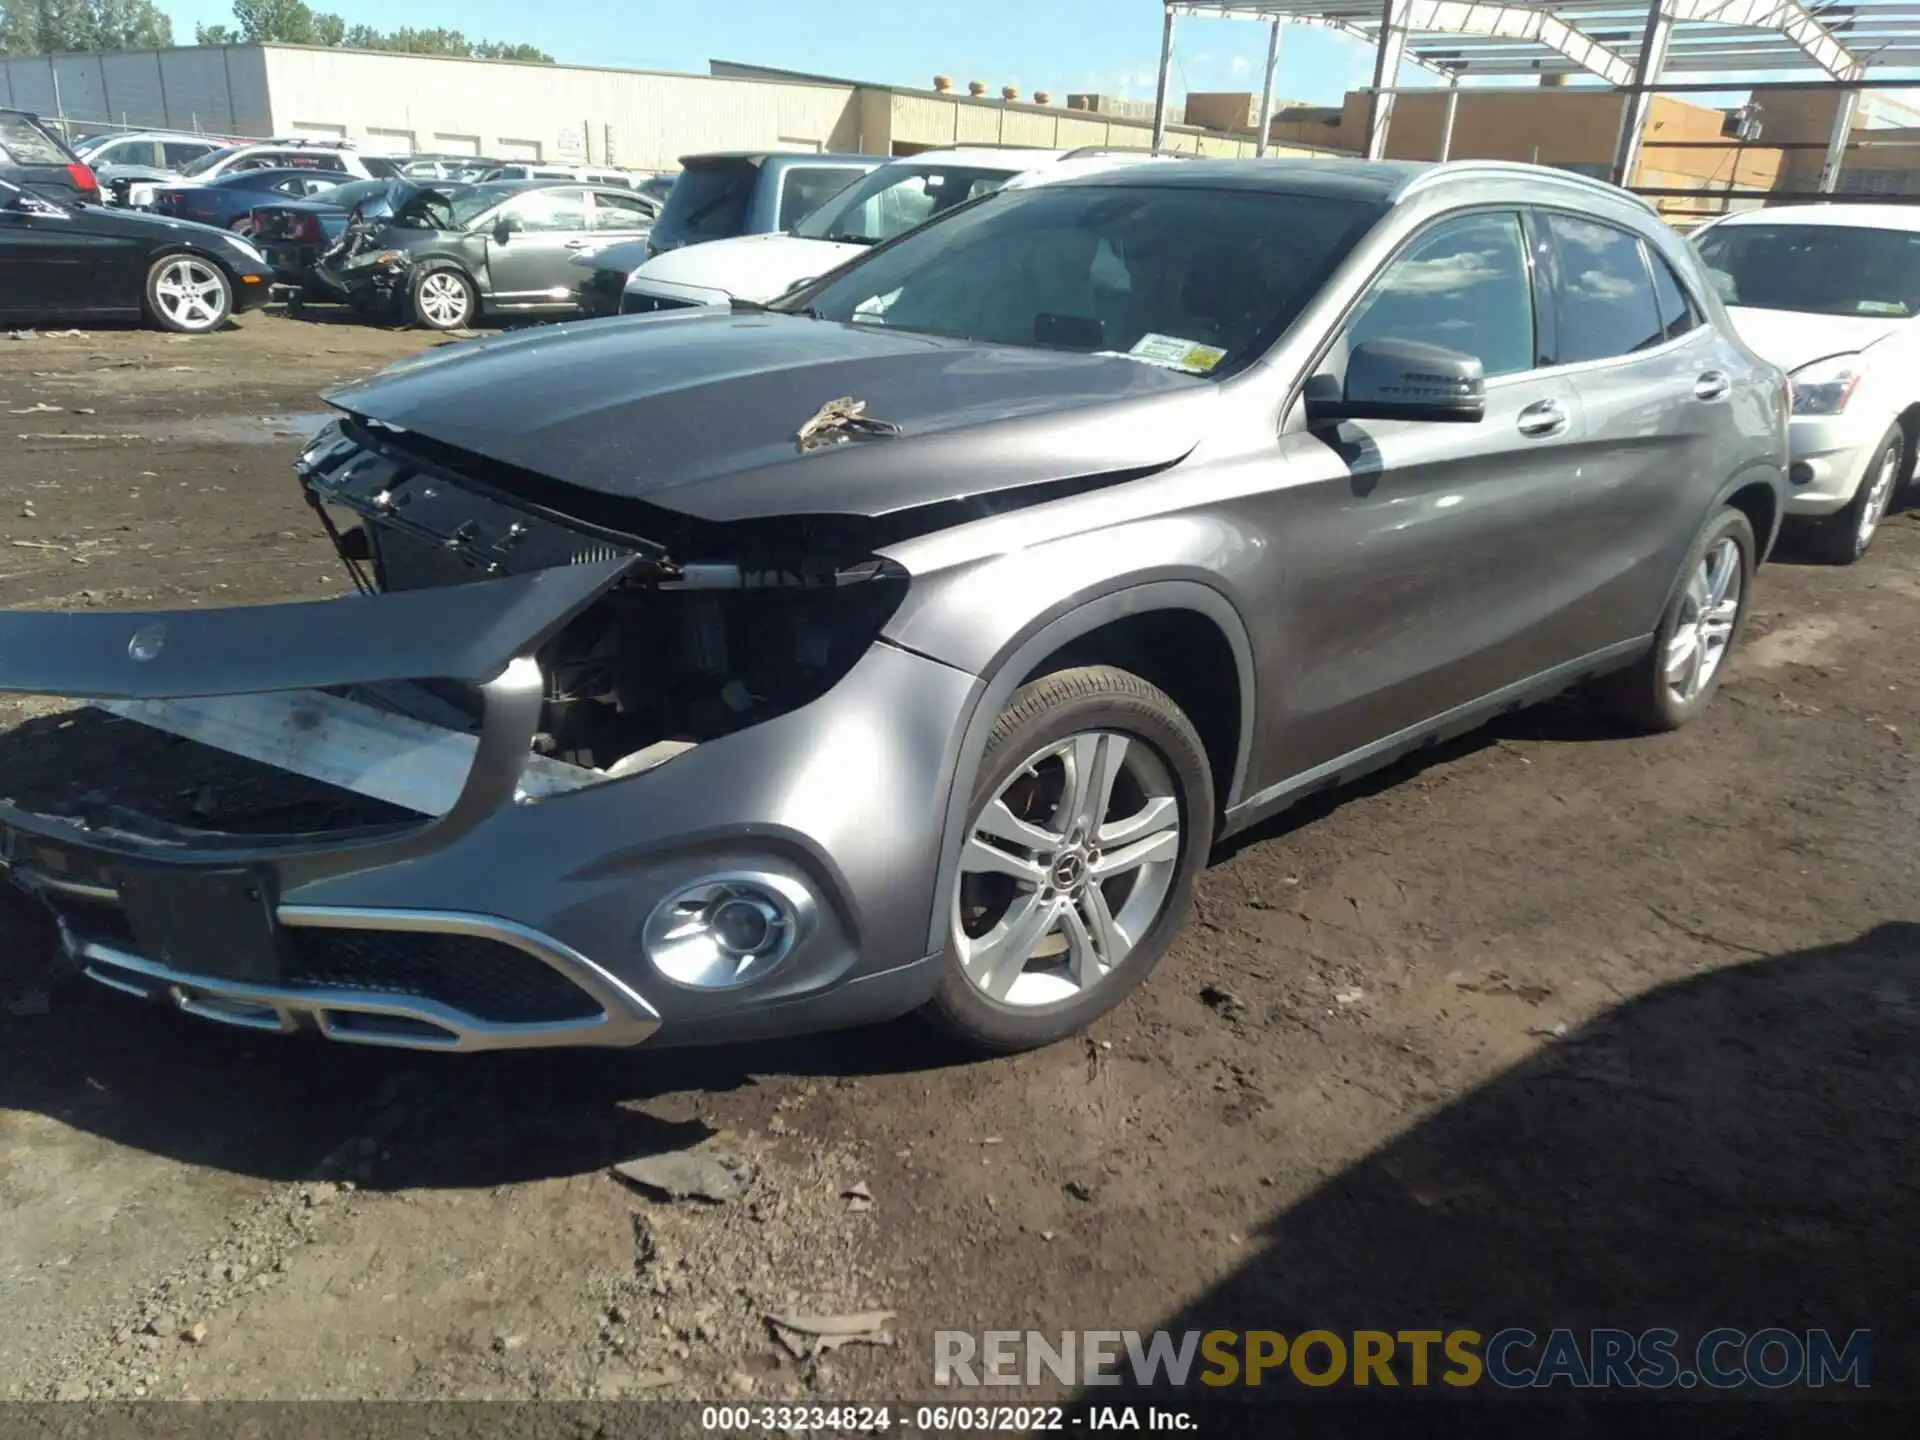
x: 487, y: 979
x: 101, y: 922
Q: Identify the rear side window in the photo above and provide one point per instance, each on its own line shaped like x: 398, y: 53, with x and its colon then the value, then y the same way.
x: 175, y: 153
x: 1678, y: 314
x: 1462, y: 285
x: 806, y: 188
x: 25, y: 143
x: 1604, y: 303
x: 620, y: 212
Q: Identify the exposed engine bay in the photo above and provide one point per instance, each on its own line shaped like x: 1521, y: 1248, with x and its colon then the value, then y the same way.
x: 754, y: 622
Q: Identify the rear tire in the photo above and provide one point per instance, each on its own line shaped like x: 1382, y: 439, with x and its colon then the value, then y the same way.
x: 1675, y: 679
x: 1090, y: 819
x: 1843, y: 537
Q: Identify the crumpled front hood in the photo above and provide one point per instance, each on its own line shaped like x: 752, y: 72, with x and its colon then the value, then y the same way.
x: 1792, y: 338
x: 701, y: 413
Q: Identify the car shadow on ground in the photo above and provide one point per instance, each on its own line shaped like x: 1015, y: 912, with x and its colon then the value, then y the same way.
x: 277, y: 1107
x: 1738, y: 1149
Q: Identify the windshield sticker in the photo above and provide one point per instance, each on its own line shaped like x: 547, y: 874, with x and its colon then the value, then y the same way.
x: 1177, y: 354
x: 1883, y: 307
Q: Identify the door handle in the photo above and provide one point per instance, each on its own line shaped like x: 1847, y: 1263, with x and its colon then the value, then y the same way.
x: 1711, y: 386
x: 1543, y: 417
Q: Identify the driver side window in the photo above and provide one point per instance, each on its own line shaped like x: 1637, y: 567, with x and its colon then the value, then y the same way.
x: 548, y: 211
x: 1462, y: 285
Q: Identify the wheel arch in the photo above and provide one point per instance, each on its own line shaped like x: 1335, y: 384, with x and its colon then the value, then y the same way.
x: 1111, y: 628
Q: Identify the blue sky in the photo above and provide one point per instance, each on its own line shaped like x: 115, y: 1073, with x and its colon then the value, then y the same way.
x: 1110, y: 46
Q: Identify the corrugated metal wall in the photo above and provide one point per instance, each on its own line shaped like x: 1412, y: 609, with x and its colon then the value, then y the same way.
x: 218, y: 90
x: 564, y: 114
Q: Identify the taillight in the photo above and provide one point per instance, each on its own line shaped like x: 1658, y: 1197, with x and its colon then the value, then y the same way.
x: 305, y: 227
x: 83, y: 178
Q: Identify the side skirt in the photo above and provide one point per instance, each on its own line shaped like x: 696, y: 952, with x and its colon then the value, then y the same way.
x: 1344, y: 769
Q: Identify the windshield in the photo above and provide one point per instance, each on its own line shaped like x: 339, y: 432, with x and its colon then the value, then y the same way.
x: 468, y: 203
x: 1195, y: 280
x: 353, y: 193
x: 1818, y: 269
x: 708, y: 202
x: 895, y: 198
x: 209, y: 160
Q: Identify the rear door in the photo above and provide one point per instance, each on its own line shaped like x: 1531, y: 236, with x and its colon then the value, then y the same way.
x: 1430, y: 555
x: 529, y: 256
x: 1657, y: 391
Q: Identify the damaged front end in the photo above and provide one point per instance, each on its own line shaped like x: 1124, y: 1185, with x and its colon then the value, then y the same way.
x: 490, y: 800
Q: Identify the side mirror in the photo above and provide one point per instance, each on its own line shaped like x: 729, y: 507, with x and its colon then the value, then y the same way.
x: 1391, y: 379
x: 502, y: 228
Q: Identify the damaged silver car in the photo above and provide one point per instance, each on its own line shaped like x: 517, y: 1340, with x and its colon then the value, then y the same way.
x: 907, y: 644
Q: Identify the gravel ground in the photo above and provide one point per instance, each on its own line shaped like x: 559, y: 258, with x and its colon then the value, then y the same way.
x: 1556, y: 1027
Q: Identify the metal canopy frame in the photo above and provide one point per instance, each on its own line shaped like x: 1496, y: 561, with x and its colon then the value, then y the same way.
x: 1629, y: 44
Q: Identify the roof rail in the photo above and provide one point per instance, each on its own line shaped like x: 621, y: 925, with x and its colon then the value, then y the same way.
x: 1447, y: 170
x: 316, y: 142
x: 1087, y: 151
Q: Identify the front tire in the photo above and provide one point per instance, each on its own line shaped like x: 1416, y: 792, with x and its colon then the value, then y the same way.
x: 1090, y: 820
x: 188, y: 294
x: 1843, y: 537
x: 1673, y: 682
x: 443, y: 299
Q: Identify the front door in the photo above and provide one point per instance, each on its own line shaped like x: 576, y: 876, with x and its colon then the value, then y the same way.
x: 1426, y: 556
x: 55, y: 263
x: 531, y: 243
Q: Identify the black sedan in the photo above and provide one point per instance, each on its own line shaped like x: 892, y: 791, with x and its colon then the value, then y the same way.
x: 228, y: 200
x: 87, y: 262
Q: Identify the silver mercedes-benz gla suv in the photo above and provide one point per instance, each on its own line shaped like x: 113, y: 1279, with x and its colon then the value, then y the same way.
x: 908, y: 643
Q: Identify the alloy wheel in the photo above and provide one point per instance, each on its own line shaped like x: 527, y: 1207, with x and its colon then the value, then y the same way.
x: 442, y: 299
x: 1886, y: 479
x: 1709, y: 607
x: 1066, y: 868
x: 190, y: 293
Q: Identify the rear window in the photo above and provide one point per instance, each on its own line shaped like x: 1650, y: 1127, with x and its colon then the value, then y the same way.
x: 709, y: 202
x: 25, y: 143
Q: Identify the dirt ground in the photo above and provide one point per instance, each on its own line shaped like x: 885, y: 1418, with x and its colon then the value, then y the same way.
x: 1559, y: 1027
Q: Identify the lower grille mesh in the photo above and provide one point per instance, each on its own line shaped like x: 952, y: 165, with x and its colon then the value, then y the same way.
x: 487, y: 979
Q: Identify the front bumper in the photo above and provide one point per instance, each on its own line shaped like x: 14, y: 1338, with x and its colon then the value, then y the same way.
x: 1829, y: 455
x: 514, y: 917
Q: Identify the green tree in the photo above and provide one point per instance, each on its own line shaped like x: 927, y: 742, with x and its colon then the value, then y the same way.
x: 42, y: 27
x: 215, y: 35
x: 284, y: 22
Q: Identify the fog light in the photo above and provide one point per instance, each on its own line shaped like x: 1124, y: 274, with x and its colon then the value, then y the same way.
x: 727, y: 930
x: 1800, y: 473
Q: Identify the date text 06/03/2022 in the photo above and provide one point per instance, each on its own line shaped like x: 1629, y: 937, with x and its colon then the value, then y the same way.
x: 960, y: 1419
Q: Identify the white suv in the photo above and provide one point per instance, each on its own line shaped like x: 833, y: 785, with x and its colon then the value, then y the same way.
x: 886, y: 202
x: 1831, y: 294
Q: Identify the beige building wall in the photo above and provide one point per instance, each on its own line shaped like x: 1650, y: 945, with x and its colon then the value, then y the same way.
x: 558, y: 113
x: 1570, y: 127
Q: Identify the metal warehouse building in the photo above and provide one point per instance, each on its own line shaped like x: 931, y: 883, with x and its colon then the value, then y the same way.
x: 557, y: 113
